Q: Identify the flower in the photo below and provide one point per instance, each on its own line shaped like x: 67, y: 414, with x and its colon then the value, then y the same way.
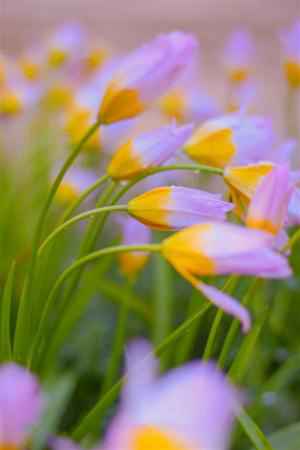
x: 218, y: 248
x: 20, y: 405
x: 67, y: 42
x: 151, y: 416
x: 147, y: 150
x: 231, y: 139
x: 145, y: 75
x: 243, y: 181
x: 238, y: 56
x: 133, y: 232
x: 172, y: 207
x: 188, y: 104
x: 290, y: 42
x: 75, y: 182
x: 269, y: 204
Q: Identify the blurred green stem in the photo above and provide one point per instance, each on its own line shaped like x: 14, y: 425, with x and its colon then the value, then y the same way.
x: 83, y: 216
x: 79, y: 263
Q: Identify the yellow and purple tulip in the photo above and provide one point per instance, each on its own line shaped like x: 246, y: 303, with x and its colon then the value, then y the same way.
x: 150, y: 415
x: 269, y: 205
x: 20, y: 406
x: 67, y: 43
x: 145, y: 75
x: 242, y: 182
x: 238, y: 56
x: 133, y: 232
x: 231, y: 139
x: 175, y: 207
x: 290, y: 42
x: 147, y: 150
x: 218, y: 248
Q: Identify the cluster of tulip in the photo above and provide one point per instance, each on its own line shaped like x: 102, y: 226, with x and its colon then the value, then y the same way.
x: 142, y: 122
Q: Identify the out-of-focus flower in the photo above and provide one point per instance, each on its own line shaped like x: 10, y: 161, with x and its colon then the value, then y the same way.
x: 75, y: 182
x: 174, y: 207
x: 242, y: 97
x: 150, y: 415
x: 243, y: 181
x: 222, y: 248
x: 238, y: 56
x: 290, y: 41
x: 133, y: 232
x: 188, y: 104
x: 20, y: 405
x: 16, y: 97
x: 145, y: 75
x: 77, y: 122
x: 147, y: 150
x: 30, y: 69
x: 58, y: 96
x: 233, y: 139
x: 95, y: 58
x: 67, y: 42
x: 269, y: 204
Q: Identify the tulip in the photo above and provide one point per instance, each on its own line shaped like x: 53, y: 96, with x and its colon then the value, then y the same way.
x: 145, y: 75
x: 290, y: 41
x: 151, y: 417
x: 75, y: 182
x: 219, y: 249
x: 231, y: 140
x: 238, y: 56
x: 173, y: 207
x: 147, y: 150
x: 20, y: 405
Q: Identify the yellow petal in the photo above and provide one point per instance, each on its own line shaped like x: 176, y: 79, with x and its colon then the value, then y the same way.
x: 173, y: 105
x: 213, y: 147
x: 131, y: 263
x: 125, y: 163
x: 120, y: 103
x: 151, y: 438
x: 292, y: 73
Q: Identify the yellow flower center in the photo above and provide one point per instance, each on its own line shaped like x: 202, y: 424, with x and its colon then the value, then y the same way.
x: 238, y: 74
x: 30, y: 70
x: 77, y: 123
x: 57, y: 57
x: 59, y: 97
x: 66, y: 193
x: 150, y: 438
x: 95, y: 59
x: 173, y: 105
x: 10, y: 103
x: 292, y: 73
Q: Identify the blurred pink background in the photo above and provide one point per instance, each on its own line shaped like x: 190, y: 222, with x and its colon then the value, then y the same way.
x: 126, y: 23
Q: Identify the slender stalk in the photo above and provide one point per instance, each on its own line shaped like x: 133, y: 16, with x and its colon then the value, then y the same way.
x: 73, y: 267
x: 292, y: 241
x: 229, y: 287
x: 230, y: 337
x: 93, y: 418
x: 41, y: 222
x: 83, y: 216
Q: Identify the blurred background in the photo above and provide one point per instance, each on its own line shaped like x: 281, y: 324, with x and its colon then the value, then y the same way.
x: 126, y: 23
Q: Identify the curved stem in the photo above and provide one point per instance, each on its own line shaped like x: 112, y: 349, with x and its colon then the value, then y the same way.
x: 68, y: 213
x: 79, y: 218
x: 292, y: 241
x: 76, y: 265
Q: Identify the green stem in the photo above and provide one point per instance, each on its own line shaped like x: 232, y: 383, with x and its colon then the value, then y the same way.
x: 40, y: 226
x: 68, y: 213
x: 93, y: 418
x: 230, y: 337
x: 292, y: 241
x: 208, y: 351
x: 73, y: 267
x: 79, y: 218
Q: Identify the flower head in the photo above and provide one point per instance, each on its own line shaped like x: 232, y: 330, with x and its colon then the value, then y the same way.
x: 232, y: 139
x: 150, y: 416
x: 133, y: 232
x: 243, y: 181
x: 20, y: 405
x: 238, y: 56
x: 173, y: 207
x: 147, y: 150
x: 75, y: 181
x: 290, y: 41
x: 221, y: 248
x: 269, y: 205
x: 145, y: 75
x: 67, y: 42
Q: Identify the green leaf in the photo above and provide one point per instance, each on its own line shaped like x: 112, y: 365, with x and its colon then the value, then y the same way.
x: 254, y: 433
x: 5, y: 310
x: 57, y: 398
x: 286, y: 439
